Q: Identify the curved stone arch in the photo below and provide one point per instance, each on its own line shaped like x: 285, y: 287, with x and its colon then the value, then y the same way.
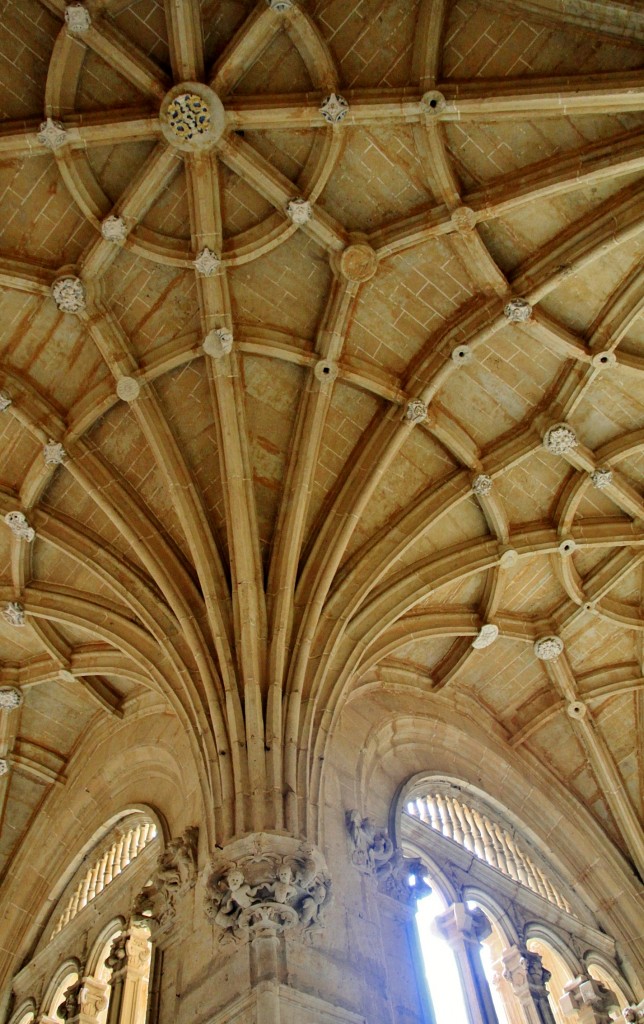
x: 438, y: 879
x: 556, y: 942
x: 494, y: 910
x: 610, y: 974
x: 26, y: 1007
x: 106, y: 934
x: 70, y: 966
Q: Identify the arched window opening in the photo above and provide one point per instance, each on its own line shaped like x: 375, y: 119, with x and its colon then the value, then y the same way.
x: 559, y: 972
x: 445, y: 811
x: 599, y: 973
x: 441, y: 970
x: 25, y: 1013
x: 109, y: 858
x: 58, y: 998
x: 506, y: 1004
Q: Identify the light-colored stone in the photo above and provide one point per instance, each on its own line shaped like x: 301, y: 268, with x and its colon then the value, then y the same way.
x: 218, y: 343
x: 10, y: 698
x: 334, y: 108
x: 509, y: 559
x: 358, y: 262
x: 486, y: 636
x: 14, y: 613
x: 462, y: 354
x: 604, y: 360
x: 207, y: 262
x: 434, y: 102
x: 4, y: 766
x: 77, y: 19
x: 17, y: 523
x: 188, y: 116
x: 517, y: 311
x: 602, y: 478
x: 482, y: 484
x: 559, y: 439
x: 374, y: 853
x: 416, y: 411
x: 113, y: 229
x: 53, y: 453
x: 325, y: 371
x: 567, y: 546
x: 128, y: 389
x: 174, y: 875
x: 463, y: 219
x: 69, y: 294
x: 547, y: 648
x: 576, y: 709
x: 281, y: 6
x: 52, y: 134
x: 299, y: 211
x: 5, y: 401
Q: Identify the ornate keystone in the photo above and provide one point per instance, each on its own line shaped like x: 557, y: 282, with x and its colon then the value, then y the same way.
x: 299, y: 211
x: 174, y: 875
x: 5, y: 401
x: 462, y: 354
x: 113, y: 229
x: 192, y: 116
x: 416, y: 411
x: 53, y: 453
x: 10, y: 698
x: 267, y: 885
x: 602, y: 478
x: 463, y: 219
x: 52, y: 134
x: 188, y: 116
x: 434, y: 102
x: 128, y: 389
x: 14, y: 614
x: 559, y: 439
x: 482, y: 484
x: 77, y: 19
x: 517, y: 311
x: 218, y: 343
x: 486, y: 636
x: 358, y: 262
x: 334, y: 108
x: 207, y: 262
x: 69, y: 294
x: 17, y: 523
x: 373, y: 853
x: 547, y: 648
x: 4, y: 766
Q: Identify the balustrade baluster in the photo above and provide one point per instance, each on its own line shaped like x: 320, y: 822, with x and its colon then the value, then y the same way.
x: 447, y: 828
x: 456, y: 825
x: 488, y: 840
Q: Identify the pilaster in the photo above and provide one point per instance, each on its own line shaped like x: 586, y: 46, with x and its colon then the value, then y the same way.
x: 528, y: 977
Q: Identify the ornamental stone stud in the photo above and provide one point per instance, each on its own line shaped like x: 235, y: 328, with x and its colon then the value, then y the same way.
x: 207, y: 262
x: 325, y: 371
x: 416, y: 411
x: 10, y: 698
x: 482, y: 484
x: 434, y: 102
x: 604, y: 360
x: 5, y: 401
x: 509, y: 559
x: 602, y: 478
x: 218, y: 343
x: 52, y: 134
x: 113, y: 229
x: 188, y: 116
x: 547, y: 648
x: 462, y: 354
x: 576, y: 709
x: 54, y: 453
x: 14, y: 614
x: 300, y: 211
x: 486, y: 636
x: 77, y: 18
x: 4, y: 766
x: 69, y: 294
x: 559, y: 439
x: 334, y: 108
x: 358, y: 262
x: 280, y: 5
x: 517, y: 311
x: 128, y: 389
x: 567, y: 546
x: 463, y: 219
x: 17, y: 523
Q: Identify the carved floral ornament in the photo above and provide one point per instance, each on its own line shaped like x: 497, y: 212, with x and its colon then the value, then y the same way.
x: 334, y: 108
x: 53, y: 453
x: 373, y: 853
x: 52, y: 134
x: 547, y: 648
x: 299, y: 211
x: 69, y: 294
x: 218, y: 343
x: 174, y: 875
x: 14, y: 613
x: 482, y: 484
x: 602, y: 478
x: 416, y: 411
x: 114, y: 229
x: 188, y: 116
x: 77, y: 18
x: 10, y: 698
x: 559, y: 439
x: 207, y: 262
x: 270, y: 885
x: 17, y: 523
x: 517, y: 311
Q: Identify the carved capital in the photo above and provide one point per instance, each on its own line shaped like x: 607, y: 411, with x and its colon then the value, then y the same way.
x: 174, y: 875
x: 373, y: 853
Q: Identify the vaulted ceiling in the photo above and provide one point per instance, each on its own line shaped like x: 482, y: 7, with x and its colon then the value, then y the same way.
x: 358, y: 473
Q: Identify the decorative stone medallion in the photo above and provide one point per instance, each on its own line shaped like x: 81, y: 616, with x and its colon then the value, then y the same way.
x: 416, y: 411
x: 567, y: 546
x: 128, y: 389
x: 299, y: 211
x: 547, y: 648
x: 358, y: 262
x: 10, y: 698
x: 14, y: 614
x: 334, y: 108
x: 463, y: 219
x: 5, y: 401
x: 54, y: 453
x: 17, y: 523
x: 482, y: 485
x: 604, y: 360
x: 434, y: 102
x: 77, y: 18
x: 52, y: 134
x: 192, y: 116
x: 266, y: 885
x: 218, y: 343
x: 486, y: 636
x: 602, y: 478
x: 69, y: 294
x: 517, y: 311
x: 113, y: 229
x: 462, y: 354
x: 325, y: 371
x: 576, y: 709
x: 559, y: 439
x: 509, y: 559
x: 207, y: 262
x: 4, y: 766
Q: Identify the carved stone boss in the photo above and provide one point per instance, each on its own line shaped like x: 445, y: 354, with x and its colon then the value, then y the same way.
x: 373, y: 853
x: 174, y: 875
x: 266, y: 885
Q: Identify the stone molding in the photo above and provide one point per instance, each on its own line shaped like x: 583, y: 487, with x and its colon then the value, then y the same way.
x: 265, y: 884
x: 17, y: 523
x: 373, y: 853
x: 175, y: 874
